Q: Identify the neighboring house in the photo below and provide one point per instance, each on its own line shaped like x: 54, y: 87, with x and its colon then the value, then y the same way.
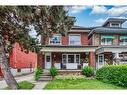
x: 111, y: 40
x: 97, y: 46
x: 21, y: 62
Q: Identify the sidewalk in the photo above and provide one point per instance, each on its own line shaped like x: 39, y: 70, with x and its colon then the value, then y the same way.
x: 20, y: 78
x: 40, y: 85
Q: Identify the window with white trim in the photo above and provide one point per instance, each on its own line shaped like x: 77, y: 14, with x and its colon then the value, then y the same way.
x: 115, y: 25
x: 123, y: 40
x: 107, y: 40
x: 70, y: 58
x: 74, y: 40
x: 55, y: 40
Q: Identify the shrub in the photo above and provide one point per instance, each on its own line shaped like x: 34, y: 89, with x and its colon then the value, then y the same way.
x: 115, y: 74
x: 88, y: 71
x: 53, y: 71
x: 38, y: 72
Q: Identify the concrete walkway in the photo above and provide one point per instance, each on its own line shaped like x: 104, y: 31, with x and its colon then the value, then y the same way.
x: 40, y: 85
x: 30, y: 78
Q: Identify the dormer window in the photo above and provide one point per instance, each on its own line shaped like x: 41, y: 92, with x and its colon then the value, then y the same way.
x: 55, y: 40
x: 115, y: 25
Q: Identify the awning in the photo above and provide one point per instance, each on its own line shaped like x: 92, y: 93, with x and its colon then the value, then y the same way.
x: 112, y: 49
x: 68, y: 49
x: 107, y: 37
x: 123, y: 37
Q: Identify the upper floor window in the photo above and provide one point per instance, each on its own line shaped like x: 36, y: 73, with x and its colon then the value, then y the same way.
x: 55, y: 40
x: 115, y: 24
x: 106, y: 40
x: 123, y: 40
x: 74, y: 39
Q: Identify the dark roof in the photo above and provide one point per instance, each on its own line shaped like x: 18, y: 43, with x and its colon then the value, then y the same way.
x: 75, y: 27
x: 122, y: 20
x: 111, y: 30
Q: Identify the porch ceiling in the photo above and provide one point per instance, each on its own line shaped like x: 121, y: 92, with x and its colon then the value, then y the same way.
x: 68, y: 49
x: 111, y: 49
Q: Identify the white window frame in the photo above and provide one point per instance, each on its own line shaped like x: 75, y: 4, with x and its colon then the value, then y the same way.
x: 123, y: 43
x: 67, y: 58
x: 103, y: 63
x: 111, y: 25
x: 106, y: 43
x: 74, y: 35
x: 55, y: 43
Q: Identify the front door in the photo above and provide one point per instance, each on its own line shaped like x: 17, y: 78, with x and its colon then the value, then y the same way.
x: 100, y: 60
x: 48, y: 61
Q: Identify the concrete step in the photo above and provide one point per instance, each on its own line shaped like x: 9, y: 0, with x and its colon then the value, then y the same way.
x: 44, y: 79
x: 43, y: 76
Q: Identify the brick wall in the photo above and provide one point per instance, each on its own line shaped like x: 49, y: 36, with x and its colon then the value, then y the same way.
x: 92, y: 60
x: 65, y: 39
x: 41, y: 60
x: 19, y: 59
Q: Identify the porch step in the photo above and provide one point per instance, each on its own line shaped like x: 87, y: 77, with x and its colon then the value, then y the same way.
x: 45, y: 77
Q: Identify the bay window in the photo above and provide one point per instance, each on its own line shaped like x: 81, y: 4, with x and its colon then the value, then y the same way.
x: 55, y: 40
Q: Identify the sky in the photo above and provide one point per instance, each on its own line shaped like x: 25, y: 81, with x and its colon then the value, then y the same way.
x: 89, y: 16
x: 92, y: 16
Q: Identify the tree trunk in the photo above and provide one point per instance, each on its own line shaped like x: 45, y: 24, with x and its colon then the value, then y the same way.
x: 9, y: 78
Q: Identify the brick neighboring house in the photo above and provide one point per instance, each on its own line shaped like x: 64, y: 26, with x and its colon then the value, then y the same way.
x: 20, y: 62
x: 81, y: 46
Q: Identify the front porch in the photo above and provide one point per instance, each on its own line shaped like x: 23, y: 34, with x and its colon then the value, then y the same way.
x: 111, y: 55
x: 66, y: 61
x: 67, y: 57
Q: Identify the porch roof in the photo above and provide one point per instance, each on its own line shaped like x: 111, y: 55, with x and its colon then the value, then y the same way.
x: 111, y: 49
x: 68, y: 48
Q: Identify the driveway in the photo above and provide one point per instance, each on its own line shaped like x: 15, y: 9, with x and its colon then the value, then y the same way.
x: 29, y: 77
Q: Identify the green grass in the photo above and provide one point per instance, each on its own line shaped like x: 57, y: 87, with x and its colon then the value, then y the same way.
x: 80, y: 84
x: 24, y: 85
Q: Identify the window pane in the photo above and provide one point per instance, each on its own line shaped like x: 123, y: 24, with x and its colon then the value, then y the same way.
x: 74, y: 39
x: 47, y: 58
x: 77, y: 58
x: 64, y: 58
x: 55, y: 39
x: 70, y: 58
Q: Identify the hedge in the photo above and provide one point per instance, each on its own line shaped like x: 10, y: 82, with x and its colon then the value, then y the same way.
x: 88, y: 71
x: 115, y: 74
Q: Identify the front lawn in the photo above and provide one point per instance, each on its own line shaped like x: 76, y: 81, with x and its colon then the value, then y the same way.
x: 79, y: 84
x: 24, y: 85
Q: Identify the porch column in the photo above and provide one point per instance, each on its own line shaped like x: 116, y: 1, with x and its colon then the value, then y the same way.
x: 40, y: 60
x: 92, y: 60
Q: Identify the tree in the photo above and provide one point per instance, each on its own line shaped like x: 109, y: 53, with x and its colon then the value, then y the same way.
x: 14, y: 27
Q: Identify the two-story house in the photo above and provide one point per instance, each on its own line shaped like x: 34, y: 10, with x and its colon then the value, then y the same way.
x: 67, y: 52
x: 111, y: 40
x: 81, y: 46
